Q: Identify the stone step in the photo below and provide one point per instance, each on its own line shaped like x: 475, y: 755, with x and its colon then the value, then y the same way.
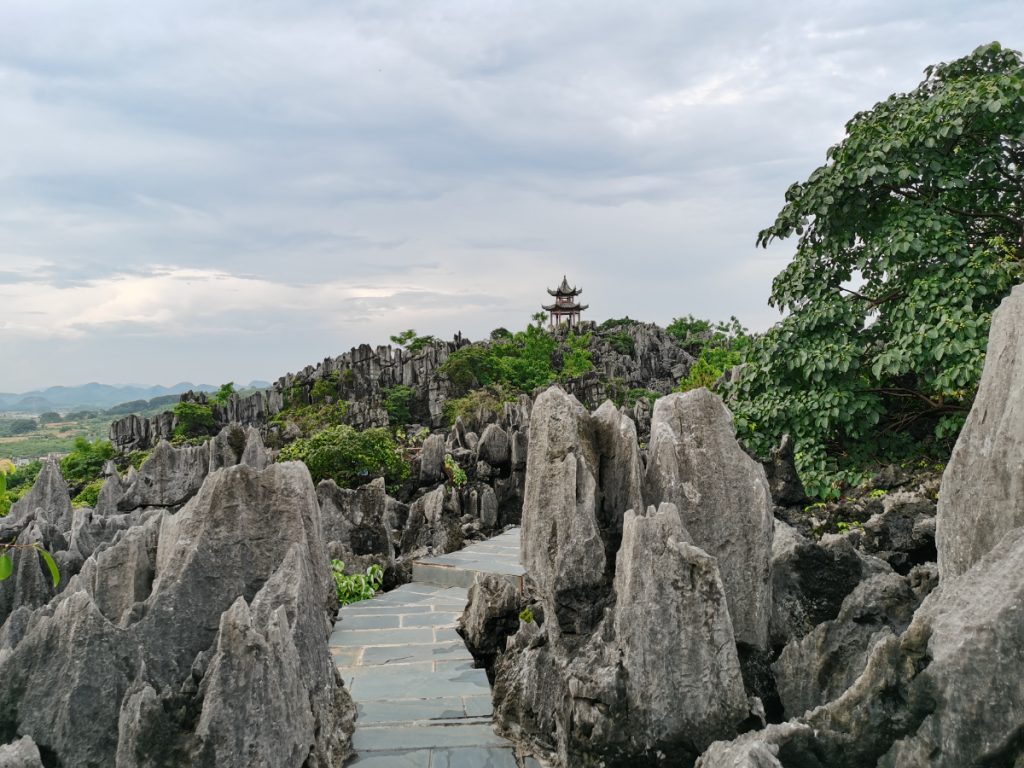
x: 499, y: 555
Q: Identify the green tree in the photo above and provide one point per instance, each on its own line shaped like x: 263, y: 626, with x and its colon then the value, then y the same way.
x: 907, y: 238
x: 222, y: 395
x: 193, y: 420
x: 398, y: 404
x: 85, y: 462
x: 349, y: 457
x: 411, y: 341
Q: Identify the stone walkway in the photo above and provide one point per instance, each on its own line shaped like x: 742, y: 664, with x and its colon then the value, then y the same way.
x: 421, y: 703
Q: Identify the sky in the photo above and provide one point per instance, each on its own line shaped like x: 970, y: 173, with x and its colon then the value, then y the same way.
x: 215, y: 190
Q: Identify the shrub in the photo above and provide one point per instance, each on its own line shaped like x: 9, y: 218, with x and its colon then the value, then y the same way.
x: 398, y: 402
x: 621, y: 342
x: 193, y: 420
x: 85, y: 462
x: 456, y: 474
x: 349, y: 457
x: 222, y: 395
x: 89, y: 495
x: 576, y: 360
x: 357, y: 586
x: 484, y: 401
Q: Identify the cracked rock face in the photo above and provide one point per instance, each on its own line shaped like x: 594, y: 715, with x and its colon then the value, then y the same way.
x: 982, y: 495
x: 631, y: 658
x: 189, y: 637
x: 723, y: 497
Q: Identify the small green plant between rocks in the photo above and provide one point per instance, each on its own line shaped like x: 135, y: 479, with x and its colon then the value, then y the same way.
x: 526, y: 615
x: 357, y: 586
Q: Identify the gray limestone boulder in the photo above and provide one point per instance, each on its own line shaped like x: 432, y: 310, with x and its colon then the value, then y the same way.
x: 355, y: 524
x: 236, y: 444
x: 946, y: 693
x: 819, y: 667
x: 22, y: 753
x: 783, y: 481
x: 49, y: 499
x: 490, y: 617
x: 903, y: 533
x: 674, y: 636
x: 432, y: 460
x: 433, y: 524
x: 723, y: 497
x: 493, y: 447
x: 168, y: 478
x: 758, y: 749
x: 982, y: 496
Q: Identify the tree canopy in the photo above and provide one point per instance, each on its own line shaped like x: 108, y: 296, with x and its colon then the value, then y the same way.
x: 908, y: 237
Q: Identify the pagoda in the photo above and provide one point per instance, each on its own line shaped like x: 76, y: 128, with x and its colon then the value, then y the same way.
x: 566, y: 308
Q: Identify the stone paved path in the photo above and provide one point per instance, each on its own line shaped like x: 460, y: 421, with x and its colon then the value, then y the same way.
x: 421, y: 703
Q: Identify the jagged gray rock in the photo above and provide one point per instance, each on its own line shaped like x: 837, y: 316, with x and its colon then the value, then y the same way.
x: 50, y: 495
x: 683, y: 685
x: 433, y: 524
x: 490, y: 617
x: 631, y: 658
x: 810, y: 580
x: 355, y: 525
x: 944, y: 694
x: 817, y: 668
x: 723, y: 497
x: 22, y: 753
x: 168, y: 478
x: 432, y: 460
x: 783, y: 480
x: 493, y: 447
x: 903, y: 533
x: 758, y: 749
x: 982, y: 494
x: 130, y: 665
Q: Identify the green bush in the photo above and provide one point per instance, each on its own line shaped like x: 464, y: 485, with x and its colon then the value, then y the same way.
x: 576, y: 360
x: 621, y: 342
x: 349, y: 457
x: 222, y: 395
x: 325, y: 390
x: 357, y: 586
x: 485, y: 400
x: 85, y: 462
x: 412, y: 343
x: 89, y: 495
x: 312, y: 418
x: 398, y: 403
x: 456, y: 474
x: 193, y: 420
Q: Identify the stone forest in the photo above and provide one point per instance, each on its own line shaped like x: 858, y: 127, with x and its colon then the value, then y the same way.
x: 581, y: 544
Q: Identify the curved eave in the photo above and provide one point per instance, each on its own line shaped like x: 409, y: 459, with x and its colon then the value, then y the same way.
x: 564, y: 307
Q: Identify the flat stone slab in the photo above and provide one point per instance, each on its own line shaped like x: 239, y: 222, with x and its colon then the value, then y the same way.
x: 459, y: 569
x: 420, y: 700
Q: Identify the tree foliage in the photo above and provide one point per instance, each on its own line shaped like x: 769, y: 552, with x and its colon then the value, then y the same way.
x: 222, y: 395
x: 349, y: 457
x: 520, y: 363
x: 907, y: 239
x: 412, y: 343
x: 85, y: 462
x: 192, y: 420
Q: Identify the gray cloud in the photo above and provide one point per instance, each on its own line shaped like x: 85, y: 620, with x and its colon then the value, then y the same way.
x: 447, y: 160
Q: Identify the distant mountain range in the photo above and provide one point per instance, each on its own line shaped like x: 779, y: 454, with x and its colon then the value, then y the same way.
x: 94, y: 395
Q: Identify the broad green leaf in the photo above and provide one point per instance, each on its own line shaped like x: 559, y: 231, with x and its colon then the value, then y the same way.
x: 6, y: 566
x: 54, y: 571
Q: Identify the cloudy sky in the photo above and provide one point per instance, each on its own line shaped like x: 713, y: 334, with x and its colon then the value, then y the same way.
x: 219, y: 190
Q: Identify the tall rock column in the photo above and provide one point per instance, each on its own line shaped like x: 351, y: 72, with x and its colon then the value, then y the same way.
x: 982, y: 496
x: 723, y: 498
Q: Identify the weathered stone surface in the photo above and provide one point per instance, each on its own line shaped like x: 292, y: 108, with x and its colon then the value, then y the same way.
x: 683, y: 685
x: 22, y: 753
x: 983, y: 486
x: 621, y: 477
x: 903, y: 533
x: 488, y: 508
x: 30, y: 585
x: 355, y: 524
x: 136, y: 663
x: 944, y: 694
x: 562, y: 545
x: 723, y: 497
x: 783, y: 480
x: 493, y: 447
x: 50, y: 495
x: 433, y: 524
x: 758, y: 749
x: 168, y: 478
x: 810, y: 580
x: 817, y: 668
x: 432, y: 460
x: 490, y: 617
x: 90, y: 528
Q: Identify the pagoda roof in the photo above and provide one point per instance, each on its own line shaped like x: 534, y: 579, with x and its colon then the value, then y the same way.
x: 565, y: 290
x: 574, y: 307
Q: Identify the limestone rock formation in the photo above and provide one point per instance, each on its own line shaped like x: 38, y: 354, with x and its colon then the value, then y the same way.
x: 180, y: 631
x: 723, y: 497
x: 630, y: 658
x: 168, y: 478
x: 983, y: 486
x: 433, y: 524
x: 355, y: 525
x: 22, y: 753
x: 491, y: 616
x: 49, y: 495
x: 819, y: 667
x: 783, y: 480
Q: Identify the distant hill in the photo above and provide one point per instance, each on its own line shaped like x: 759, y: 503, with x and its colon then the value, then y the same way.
x: 92, y: 395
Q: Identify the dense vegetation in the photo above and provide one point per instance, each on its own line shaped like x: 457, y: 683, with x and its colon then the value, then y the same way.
x: 907, y: 239
x: 348, y: 456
